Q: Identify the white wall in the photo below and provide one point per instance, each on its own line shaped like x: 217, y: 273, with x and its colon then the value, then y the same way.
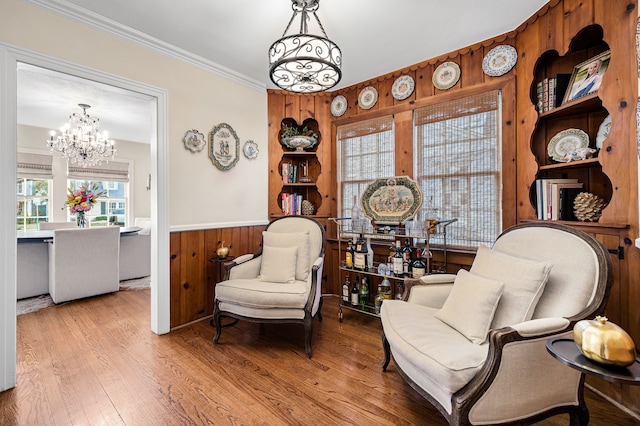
x: 32, y: 139
x: 200, y: 194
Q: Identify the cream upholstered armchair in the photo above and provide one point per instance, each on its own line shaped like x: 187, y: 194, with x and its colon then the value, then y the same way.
x: 281, y: 283
x: 83, y: 262
x: 476, y: 348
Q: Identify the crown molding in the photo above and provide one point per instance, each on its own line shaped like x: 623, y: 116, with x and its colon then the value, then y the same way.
x: 84, y: 16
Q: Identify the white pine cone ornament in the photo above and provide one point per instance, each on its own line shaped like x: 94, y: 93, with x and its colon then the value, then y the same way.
x: 307, y: 208
x: 588, y: 207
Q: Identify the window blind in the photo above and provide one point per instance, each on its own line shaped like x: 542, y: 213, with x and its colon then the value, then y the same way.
x: 114, y: 171
x: 458, y: 166
x: 366, y: 151
x: 34, y: 166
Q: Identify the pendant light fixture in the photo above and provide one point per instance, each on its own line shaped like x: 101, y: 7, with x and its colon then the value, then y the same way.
x: 305, y: 63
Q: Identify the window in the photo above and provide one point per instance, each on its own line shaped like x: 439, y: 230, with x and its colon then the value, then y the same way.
x: 32, y: 197
x: 111, y: 207
x: 366, y: 151
x: 457, y: 155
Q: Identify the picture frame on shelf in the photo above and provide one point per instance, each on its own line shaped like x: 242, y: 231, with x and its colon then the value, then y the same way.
x: 587, y: 77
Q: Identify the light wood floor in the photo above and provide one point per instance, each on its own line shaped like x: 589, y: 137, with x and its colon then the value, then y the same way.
x: 96, y: 362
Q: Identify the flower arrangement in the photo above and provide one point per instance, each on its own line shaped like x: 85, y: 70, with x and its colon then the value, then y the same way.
x: 81, y: 200
x: 298, y: 139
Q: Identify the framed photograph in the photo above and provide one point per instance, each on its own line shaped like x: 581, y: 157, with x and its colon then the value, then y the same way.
x: 587, y: 77
x: 224, y: 146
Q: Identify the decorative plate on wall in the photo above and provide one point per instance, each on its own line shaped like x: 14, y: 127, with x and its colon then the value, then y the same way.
x: 224, y: 146
x: 368, y: 97
x: 194, y: 141
x: 603, y: 131
x: 500, y: 60
x: 446, y: 75
x: 338, y: 106
x: 403, y: 87
x: 250, y: 150
x: 391, y: 200
x: 566, y: 141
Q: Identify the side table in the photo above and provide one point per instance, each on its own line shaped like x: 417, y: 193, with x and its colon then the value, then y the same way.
x: 567, y: 352
x: 220, y: 261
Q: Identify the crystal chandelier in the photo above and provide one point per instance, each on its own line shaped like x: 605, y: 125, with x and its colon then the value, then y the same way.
x: 305, y: 63
x: 81, y: 142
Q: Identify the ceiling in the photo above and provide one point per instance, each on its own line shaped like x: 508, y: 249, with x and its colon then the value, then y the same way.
x: 375, y: 36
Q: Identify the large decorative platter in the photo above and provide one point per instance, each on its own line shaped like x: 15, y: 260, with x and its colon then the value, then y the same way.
x: 403, y: 87
x: 224, y: 146
x: 194, y: 141
x: 446, y: 75
x: 500, y: 60
x: 565, y: 142
x: 391, y: 200
x: 338, y: 105
x: 603, y: 131
x: 250, y: 150
x: 368, y: 97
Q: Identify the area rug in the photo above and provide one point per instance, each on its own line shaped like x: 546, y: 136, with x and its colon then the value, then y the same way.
x: 34, y: 304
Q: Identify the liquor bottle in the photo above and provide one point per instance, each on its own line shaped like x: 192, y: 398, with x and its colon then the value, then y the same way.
x: 399, y: 291
x: 392, y: 252
x: 369, y: 255
x: 385, y: 289
x: 356, y: 216
x: 360, y: 255
x: 397, y: 261
x: 364, y: 293
x: 346, y: 288
x: 418, y: 266
x: 406, y: 255
x: 348, y: 256
x: 355, y: 293
x: 377, y: 302
x: 431, y: 219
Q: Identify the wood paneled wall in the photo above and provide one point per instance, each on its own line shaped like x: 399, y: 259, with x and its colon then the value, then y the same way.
x: 193, y: 275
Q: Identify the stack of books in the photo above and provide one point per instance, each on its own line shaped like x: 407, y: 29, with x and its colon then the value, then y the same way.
x: 554, y: 198
x: 551, y: 91
x: 291, y: 204
x: 289, y: 173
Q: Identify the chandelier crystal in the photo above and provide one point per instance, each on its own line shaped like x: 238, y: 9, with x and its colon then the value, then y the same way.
x: 81, y: 142
x: 305, y: 63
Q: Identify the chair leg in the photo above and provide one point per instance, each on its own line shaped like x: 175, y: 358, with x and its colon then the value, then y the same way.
x: 217, y: 322
x: 387, y: 352
x: 579, y: 416
x: 319, y: 313
x: 308, y: 331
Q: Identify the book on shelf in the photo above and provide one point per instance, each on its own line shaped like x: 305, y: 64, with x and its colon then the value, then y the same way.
x: 551, y: 91
x: 567, y: 196
x: 548, y: 196
x: 291, y: 203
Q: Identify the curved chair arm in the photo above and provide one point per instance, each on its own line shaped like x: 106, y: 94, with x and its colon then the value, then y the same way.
x: 315, y: 289
x: 430, y: 290
x: 515, y: 364
x: 248, y: 267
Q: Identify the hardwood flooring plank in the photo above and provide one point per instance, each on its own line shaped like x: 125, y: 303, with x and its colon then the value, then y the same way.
x: 96, y: 361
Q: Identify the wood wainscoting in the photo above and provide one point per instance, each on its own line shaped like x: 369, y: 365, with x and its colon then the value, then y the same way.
x: 194, y: 276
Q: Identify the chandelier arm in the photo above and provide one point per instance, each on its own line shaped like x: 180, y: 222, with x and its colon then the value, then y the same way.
x: 320, y: 25
x: 290, y: 22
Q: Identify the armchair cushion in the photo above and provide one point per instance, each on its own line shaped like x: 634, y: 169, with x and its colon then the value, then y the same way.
x: 523, y: 279
x: 278, y: 264
x: 292, y: 239
x: 252, y: 293
x: 471, y: 305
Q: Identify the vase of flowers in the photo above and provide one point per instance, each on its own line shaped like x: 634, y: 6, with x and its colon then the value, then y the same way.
x: 81, y: 200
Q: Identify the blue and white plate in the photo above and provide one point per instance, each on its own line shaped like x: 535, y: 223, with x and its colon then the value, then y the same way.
x: 403, y: 87
x: 338, y: 106
x: 500, y: 60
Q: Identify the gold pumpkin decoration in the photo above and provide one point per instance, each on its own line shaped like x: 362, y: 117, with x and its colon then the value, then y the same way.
x: 588, y: 207
x: 604, y: 342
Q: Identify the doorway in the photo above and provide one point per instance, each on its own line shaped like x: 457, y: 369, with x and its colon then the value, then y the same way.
x: 10, y: 58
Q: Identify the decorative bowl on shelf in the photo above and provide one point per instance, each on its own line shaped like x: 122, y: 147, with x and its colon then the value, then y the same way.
x: 299, y: 142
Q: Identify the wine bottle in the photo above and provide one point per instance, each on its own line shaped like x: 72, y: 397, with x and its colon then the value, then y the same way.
x: 348, y: 256
x: 377, y: 302
x: 392, y: 252
x: 369, y: 255
x: 397, y: 261
x: 406, y: 255
x: 385, y: 289
x: 360, y: 255
x: 346, y: 288
x: 418, y: 267
x: 355, y: 293
x: 364, y: 293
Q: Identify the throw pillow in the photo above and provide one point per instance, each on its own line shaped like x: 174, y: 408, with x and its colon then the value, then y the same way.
x: 523, y: 279
x: 471, y: 305
x: 278, y: 264
x: 292, y: 239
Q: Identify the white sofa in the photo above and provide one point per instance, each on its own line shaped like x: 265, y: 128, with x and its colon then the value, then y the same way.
x: 135, y: 251
x: 476, y: 348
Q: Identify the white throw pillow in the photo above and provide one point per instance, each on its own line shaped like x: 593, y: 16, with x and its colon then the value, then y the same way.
x: 278, y: 264
x: 523, y: 279
x: 471, y: 305
x: 292, y: 239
